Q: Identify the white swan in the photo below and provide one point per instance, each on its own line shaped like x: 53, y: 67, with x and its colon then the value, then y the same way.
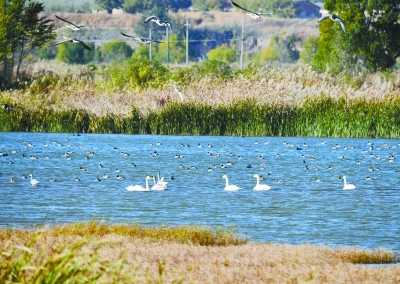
x: 260, y: 186
x: 230, y: 187
x: 34, y: 182
x: 347, y: 185
x: 139, y: 187
x: 157, y: 186
x: 160, y: 181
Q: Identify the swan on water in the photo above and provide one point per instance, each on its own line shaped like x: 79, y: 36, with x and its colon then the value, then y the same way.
x: 139, y: 187
x: 230, y: 187
x: 34, y: 182
x: 260, y: 186
x: 157, y: 186
x: 347, y: 185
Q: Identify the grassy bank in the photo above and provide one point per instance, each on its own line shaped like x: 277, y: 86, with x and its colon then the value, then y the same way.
x: 137, y: 97
x: 322, y: 116
x: 129, y: 253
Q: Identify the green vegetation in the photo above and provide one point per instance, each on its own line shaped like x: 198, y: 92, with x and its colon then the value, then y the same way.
x: 316, y: 117
x: 280, y: 49
x: 22, y: 31
x: 371, y: 41
x: 223, y: 53
x: 116, y: 50
x: 75, y: 53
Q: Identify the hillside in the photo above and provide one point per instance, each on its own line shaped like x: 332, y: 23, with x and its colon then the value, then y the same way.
x: 102, y: 27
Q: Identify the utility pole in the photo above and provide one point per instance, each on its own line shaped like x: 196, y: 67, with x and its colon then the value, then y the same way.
x: 187, y: 41
x: 166, y: 28
x: 150, y: 44
x: 242, y: 47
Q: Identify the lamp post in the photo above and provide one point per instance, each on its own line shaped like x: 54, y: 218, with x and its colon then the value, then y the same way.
x: 242, y: 47
x: 187, y: 40
x: 150, y: 55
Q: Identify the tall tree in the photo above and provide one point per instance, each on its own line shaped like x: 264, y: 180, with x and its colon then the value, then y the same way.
x: 21, y: 33
x: 372, y: 36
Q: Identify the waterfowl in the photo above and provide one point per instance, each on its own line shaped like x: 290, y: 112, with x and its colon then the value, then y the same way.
x: 77, y: 179
x: 347, y: 185
x: 158, y: 186
x: 106, y: 176
x: 160, y: 180
x: 72, y: 40
x: 120, y: 177
x: 159, y: 22
x: 139, y: 187
x: 142, y: 39
x: 333, y: 18
x: 178, y: 91
x: 72, y: 26
x: 12, y: 180
x: 229, y: 187
x: 34, y: 182
x: 260, y: 186
x: 53, y: 180
x: 254, y: 15
x: 97, y: 179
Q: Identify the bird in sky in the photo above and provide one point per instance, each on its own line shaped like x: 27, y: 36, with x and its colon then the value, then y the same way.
x: 333, y: 18
x: 254, y: 15
x: 72, y: 26
x: 73, y: 40
x: 142, y: 39
x: 159, y: 22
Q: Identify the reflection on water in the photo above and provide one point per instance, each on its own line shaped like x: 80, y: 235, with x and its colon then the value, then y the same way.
x: 296, y: 210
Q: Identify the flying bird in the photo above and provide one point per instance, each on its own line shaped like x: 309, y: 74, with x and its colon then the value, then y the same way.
x: 72, y: 26
x: 159, y: 22
x: 142, y: 39
x: 333, y: 18
x: 178, y: 91
x: 73, y: 40
x: 254, y: 15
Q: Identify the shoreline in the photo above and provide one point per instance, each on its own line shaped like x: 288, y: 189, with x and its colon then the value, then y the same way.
x: 142, y: 260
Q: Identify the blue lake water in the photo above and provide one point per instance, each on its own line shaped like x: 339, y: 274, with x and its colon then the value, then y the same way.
x: 297, y: 210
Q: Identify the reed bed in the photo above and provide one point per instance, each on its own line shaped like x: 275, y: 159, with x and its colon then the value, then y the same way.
x: 104, y: 253
x: 256, y: 101
x: 322, y: 117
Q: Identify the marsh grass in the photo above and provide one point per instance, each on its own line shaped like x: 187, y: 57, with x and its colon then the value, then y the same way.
x: 129, y: 253
x: 255, y: 101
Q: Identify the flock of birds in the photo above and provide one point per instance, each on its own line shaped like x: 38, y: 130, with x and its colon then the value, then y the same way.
x: 160, y: 183
x: 164, y: 23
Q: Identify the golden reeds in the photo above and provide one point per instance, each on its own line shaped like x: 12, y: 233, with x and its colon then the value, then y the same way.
x: 104, y: 253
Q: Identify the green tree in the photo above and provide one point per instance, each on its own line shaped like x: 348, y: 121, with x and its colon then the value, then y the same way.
x: 309, y: 49
x: 21, y: 33
x: 279, y: 49
x: 223, y: 53
x: 372, y: 36
x: 114, y: 50
x: 108, y: 4
x: 75, y: 53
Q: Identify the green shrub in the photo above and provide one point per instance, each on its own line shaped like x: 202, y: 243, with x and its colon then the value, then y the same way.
x: 134, y: 73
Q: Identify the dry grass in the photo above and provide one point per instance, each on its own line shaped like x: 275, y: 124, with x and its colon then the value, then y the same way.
x: 269, y: 86
x: 127, y: 259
